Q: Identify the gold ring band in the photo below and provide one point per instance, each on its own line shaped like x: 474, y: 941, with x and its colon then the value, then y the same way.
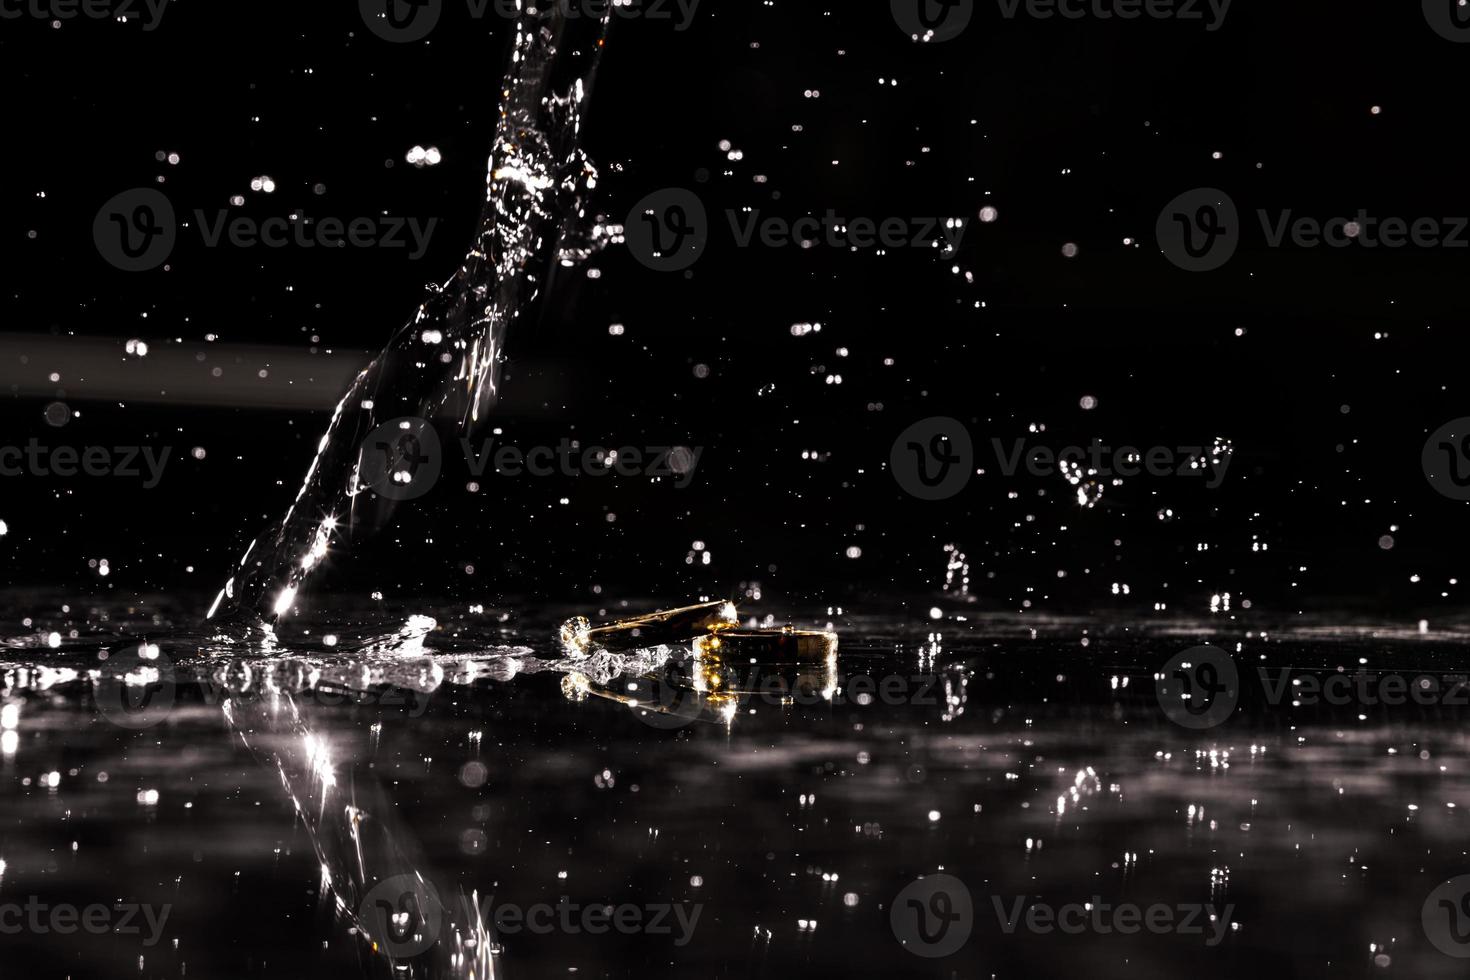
x: 769, y: 645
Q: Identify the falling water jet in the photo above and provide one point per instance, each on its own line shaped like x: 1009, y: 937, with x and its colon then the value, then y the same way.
x: 446, y: 360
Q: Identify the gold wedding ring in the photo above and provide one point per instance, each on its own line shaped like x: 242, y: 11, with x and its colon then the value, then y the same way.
x: 579, y: 637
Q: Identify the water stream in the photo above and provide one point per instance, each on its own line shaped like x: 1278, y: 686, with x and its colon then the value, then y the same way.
x: 445, y: 362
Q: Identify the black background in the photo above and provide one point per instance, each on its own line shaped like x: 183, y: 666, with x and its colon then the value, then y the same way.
x: 1326, y: 368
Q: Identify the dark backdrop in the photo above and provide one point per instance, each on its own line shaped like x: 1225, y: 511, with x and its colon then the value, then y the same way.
x: 1325, y: 368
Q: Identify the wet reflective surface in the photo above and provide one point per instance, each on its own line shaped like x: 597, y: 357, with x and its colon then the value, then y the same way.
x: 751, y: 819
x: 877, y: 324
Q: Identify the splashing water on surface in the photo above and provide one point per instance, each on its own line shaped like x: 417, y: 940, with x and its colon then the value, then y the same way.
x: 445, y: 362
x: 1005, y: 728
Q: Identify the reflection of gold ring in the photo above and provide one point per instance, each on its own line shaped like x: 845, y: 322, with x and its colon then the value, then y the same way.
x: 770, y: 646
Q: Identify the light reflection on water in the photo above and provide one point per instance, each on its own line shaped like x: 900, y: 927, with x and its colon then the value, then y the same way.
x: 273, y: 794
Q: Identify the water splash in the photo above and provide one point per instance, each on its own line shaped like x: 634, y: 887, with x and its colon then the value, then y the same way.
x: 445, y: 362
